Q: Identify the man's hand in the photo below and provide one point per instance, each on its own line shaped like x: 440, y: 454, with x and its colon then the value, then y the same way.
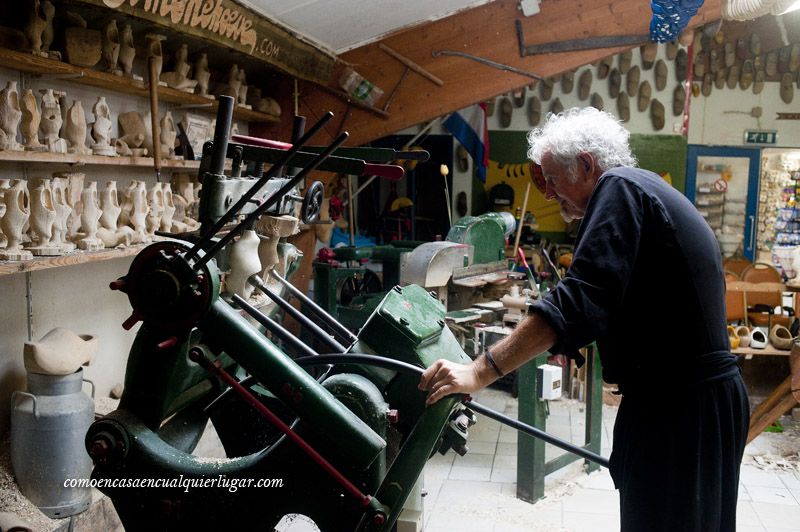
x: 444, y: 378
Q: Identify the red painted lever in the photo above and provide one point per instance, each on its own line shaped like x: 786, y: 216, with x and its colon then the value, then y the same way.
x: 264, y: 143
x: 387, y: 171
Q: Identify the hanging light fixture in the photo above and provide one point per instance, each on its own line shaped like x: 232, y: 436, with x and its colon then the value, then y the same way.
x: 794, y: 5
x: 750, y: 9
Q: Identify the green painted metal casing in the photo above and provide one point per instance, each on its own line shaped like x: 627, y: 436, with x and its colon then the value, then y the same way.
x: 345, y: 417
x: 226, y: 331
x: 486, y: 233
x: 408, y: 325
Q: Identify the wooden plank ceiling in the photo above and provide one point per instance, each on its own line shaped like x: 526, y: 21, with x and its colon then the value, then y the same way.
x: 487, y: 31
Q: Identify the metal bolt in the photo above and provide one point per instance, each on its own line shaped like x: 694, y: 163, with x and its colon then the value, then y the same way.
x: 460, y: 448
x: 99, y: 448
x: 433, y: 294
x: 166, y: 344
x: 398, y: 289
x: 403, y: 321
x: 440, y: 323
x: 132, y: 320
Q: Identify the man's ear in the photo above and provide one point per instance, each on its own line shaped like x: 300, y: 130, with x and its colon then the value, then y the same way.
x: 586, y: 162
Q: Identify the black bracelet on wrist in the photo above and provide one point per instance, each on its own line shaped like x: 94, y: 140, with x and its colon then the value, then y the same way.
x: 492, y: 363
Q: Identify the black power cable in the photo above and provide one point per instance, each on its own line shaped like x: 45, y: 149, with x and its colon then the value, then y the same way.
x: 388, y: 363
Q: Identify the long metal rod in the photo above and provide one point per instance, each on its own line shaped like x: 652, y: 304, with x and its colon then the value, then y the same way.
x: 275, y: 328
x: 221, y: 131
x: 269, y: 202
x: 389, y: 363
x: 320, y: 312
x: 533, y: 431
x: 312, y: 327
x: 198, y: 356
x: 290, y: 153
x: 487, y: 62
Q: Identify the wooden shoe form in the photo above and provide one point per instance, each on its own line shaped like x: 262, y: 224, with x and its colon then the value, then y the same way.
x: 29, y: 123
x: 43, y: 214
x: 10, y: 116
x: 75, y: 129
x: 597, y: 102
x: 111, y: 47
x: 101, y: 129
x: 733, y: 339
x: 244, y: 262
x: 16, y: 215
x: 63, y: 213
x: 632, y: 80
x: 90, y: 216
x: 780, y: 338
x: 127, y: 51
x: 272, y: 229
x: 758, y: 340
x: 60, y: 352
x: 51, y: 121
x: 743, y: 333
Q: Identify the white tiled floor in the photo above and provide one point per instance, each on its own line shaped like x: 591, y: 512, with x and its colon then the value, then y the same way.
x: 477, y: 492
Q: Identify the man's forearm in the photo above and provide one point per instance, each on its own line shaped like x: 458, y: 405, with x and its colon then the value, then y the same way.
x: 532, y: 336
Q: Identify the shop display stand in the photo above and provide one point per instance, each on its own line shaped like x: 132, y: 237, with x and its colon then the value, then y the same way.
x: 779, y: 215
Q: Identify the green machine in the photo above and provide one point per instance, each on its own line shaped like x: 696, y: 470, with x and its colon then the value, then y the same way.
x: 347, y: 445
x: 343, y: 445
x: 351, y: 294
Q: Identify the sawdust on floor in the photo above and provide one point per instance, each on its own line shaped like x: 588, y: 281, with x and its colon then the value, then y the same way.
x: 11, y: 500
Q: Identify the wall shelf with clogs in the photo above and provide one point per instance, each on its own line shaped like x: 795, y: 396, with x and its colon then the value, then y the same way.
x: 35, y: 65
x: 73, y: 159
x: 72, y: 259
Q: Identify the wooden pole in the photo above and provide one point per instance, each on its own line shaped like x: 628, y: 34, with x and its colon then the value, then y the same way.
x: 521, y: 219
x: 444, y: 171
x: 412, y: 65
x: 153, y: 74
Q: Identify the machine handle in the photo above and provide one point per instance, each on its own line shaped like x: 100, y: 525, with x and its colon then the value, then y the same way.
x: 25, y: 394
x: 264, y: 143
x: 92, y: 383
x: 388, y: 171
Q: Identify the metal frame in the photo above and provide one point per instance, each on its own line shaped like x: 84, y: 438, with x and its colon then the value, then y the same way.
x: 532, y: 467
x: 753, y: 183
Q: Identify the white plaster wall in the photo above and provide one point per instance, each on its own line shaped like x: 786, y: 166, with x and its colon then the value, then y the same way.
x: 722, y: 117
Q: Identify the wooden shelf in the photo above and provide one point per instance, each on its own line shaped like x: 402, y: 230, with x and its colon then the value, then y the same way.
x: 33, y: 64
x: 79, y: 160
x: 77, y: 257
x: 748, y: 352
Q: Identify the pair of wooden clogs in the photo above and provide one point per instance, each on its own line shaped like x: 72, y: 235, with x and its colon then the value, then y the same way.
x: 742, y: 336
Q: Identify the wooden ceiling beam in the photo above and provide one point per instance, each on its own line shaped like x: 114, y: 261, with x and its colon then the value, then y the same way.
x: 487, y: 31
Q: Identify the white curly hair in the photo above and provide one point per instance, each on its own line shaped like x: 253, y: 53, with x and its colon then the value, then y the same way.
x: 581, y: 129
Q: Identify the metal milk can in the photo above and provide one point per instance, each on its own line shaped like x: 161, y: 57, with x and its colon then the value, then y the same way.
x: 48, y: 426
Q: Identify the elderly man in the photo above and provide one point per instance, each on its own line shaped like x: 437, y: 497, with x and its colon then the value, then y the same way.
x: 646, y: 283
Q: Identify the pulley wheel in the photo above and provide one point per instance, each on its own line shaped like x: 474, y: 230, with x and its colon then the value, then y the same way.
x: 312, y: 203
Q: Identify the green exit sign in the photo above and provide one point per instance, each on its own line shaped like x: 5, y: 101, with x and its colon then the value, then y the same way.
x: 760, y: 136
